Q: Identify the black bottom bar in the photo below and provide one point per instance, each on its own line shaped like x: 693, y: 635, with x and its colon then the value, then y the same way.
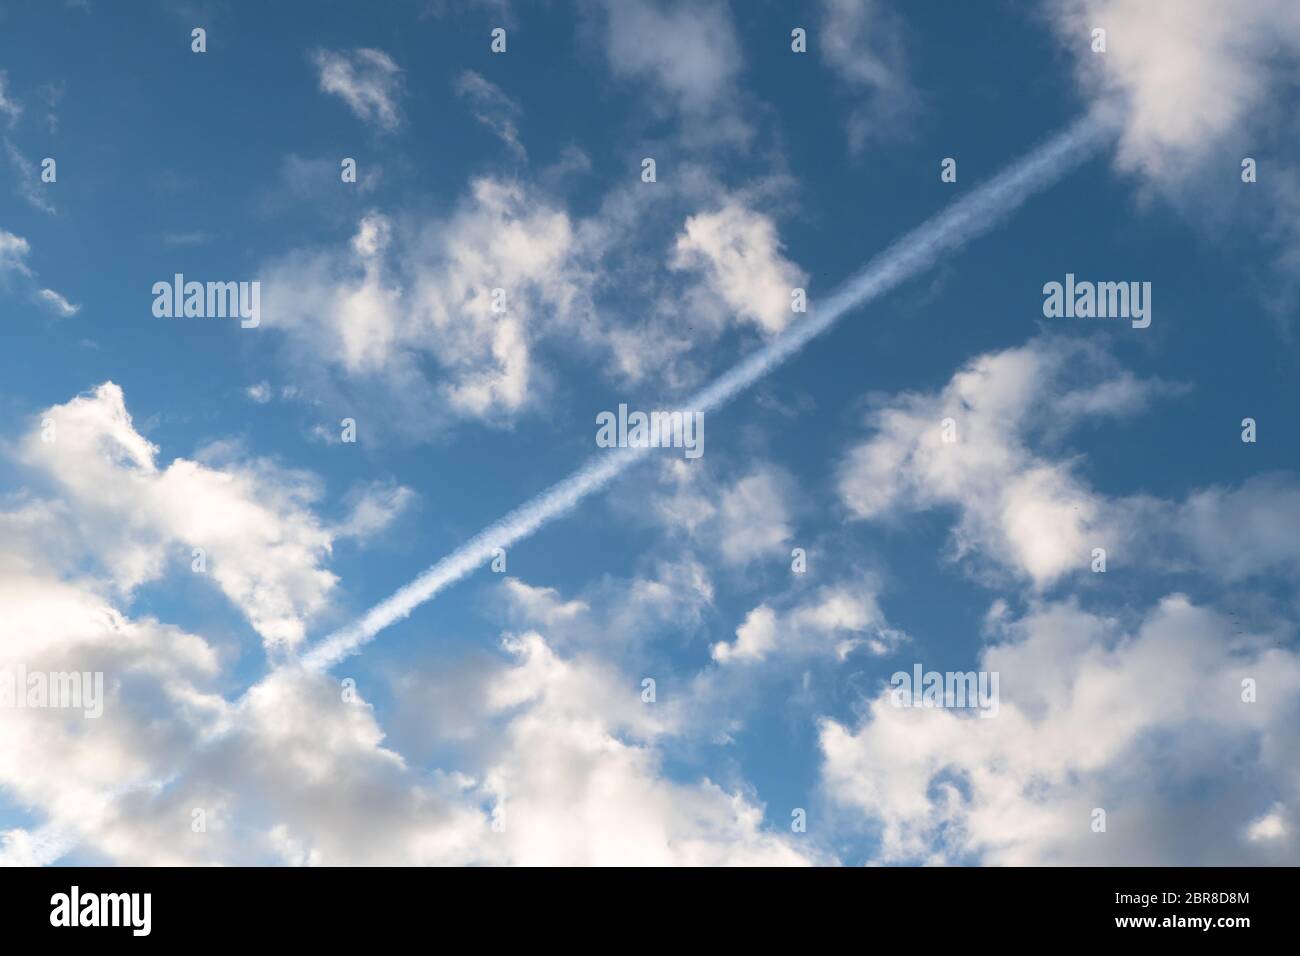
x: 337, y: 906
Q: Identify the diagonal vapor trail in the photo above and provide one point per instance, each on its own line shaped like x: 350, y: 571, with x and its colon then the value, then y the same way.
x: 915, y: 252
x: 965, y: 219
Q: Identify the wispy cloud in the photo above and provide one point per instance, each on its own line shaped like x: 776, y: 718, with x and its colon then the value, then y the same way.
x: 13, y: 259
x: 494, y: 109
x: 9, y: 107
x: 27, y: 180
x: 369, y: 81
x: 57, y: 303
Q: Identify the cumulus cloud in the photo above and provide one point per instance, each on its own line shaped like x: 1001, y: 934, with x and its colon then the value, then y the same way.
x: 369, y: 81
x: 301, y: 775
x: 566, y: 765
x: 1019, y: 500
x: 406, y: 314
x: 261, y: 543
x: 390, y: 302
x: 296, y: 770
x: 1128, y: 713
x: 1093, y: 714
x: 578, y: 777
x: 310, y: 772
x: 1182, y: 76
x: 746, y: 521
x: 667, y: 275
x: 541, y: 604
x: 834, y: 622
x: 1017, y: 508
x: 620, y: 615
x: 57, y: 624
x: 1194, y: 89
x: 740, y: 255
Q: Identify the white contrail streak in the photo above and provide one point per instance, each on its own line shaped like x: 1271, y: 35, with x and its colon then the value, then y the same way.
x: 913, y: 253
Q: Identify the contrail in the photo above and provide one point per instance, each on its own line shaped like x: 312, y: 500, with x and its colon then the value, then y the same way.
x: 965, y: 219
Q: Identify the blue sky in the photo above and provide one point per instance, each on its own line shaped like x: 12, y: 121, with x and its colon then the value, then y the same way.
x: 503, y: 722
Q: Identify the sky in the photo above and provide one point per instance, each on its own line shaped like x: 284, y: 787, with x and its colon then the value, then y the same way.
x: 697, y: 661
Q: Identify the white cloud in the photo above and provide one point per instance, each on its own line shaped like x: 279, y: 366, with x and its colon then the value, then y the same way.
x: 13, y: 259
x: 293, y: 774
x: 580, y: 780
x: 8, y: 106
x: 835, y: 621
x: 1183, y: 76
x: 1033, y: 514
x: 494, y: 109
x: 13, y: 253
x: 1270, y: 826
x: 1238, y: 533
x: 743, y: 522
x: 374, y: 507
x: 312, y: 773
x: 688, y: 50
x: 1091, y: 715
x: 740, y: 254
x: 862, y: 41
x: 314, y: 181
x: 69, y: 766
x: 1194, y: 87
x: 682, y: 310
x: 58, y: 303
x: 394, y: 302
x: 566, y: 759
x: 402, y: 316
x: 367, y: 80
x: 615, y: 614
x: 27, y: 181
x: 299, y: 777
x: 752, y: 518
x: 263, y: 546
x: 543, y: 605
x: 1029, y: 514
